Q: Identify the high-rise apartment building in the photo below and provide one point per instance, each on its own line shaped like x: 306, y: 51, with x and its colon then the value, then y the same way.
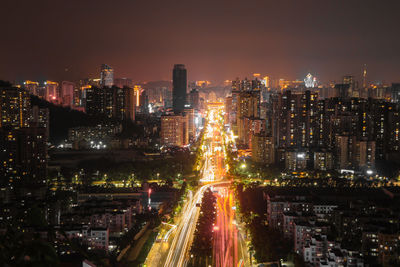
x: 124, y: 106
x: 323, y: 160
x: 67, y: 93
x: 32, y: 87
x: 296, y: 160
x: 189, y: 113
x: 113, y: 102
x: 363, y: 154
x: 51, y: 91
x: 174, y: 130
x: 23, y: 138
x: 295, y: 119
x: 262, y: 149
x: 395, y: 93
x: 342, y: 152
x: 252, y: 126
x: 343, y: 90
x: 248, y: 103
x: 15, y: 107
x: 179, y: 79
x: 106, y: 76
x: 228, y: 109
x: 352, y: 90
x: 23, y: 154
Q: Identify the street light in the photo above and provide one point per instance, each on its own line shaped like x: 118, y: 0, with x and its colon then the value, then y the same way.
x: 243, y: 166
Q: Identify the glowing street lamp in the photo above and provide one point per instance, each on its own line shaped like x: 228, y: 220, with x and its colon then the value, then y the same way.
x: 149, y: 193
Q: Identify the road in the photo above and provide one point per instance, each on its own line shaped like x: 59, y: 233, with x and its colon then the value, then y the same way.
x: 175, y: 252
x: 229, y: 243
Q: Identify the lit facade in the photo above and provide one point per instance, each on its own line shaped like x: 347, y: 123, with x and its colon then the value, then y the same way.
x: 67, y: 93
x: 15, y: 107
x: 51, y: 91
x: 262, y: 149
x: 174, y: 130
x: 106, y: 76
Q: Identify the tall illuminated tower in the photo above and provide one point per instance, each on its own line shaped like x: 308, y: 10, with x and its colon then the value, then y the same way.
x: 364, y: 76
x: 179, y: 77
x: 310, y: 81
x: 106, y: 76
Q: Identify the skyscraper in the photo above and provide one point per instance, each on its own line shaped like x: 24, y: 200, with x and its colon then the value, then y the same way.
x: 194, y: 98
x: 106, y: 76
x: 364, y: 76
x: 179, y: 78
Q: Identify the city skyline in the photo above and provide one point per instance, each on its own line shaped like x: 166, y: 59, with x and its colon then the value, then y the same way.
x: 200, y: 133
x: 214, y: 40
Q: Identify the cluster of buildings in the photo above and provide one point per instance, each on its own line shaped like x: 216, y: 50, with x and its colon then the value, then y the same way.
x: 114, y: 97
x: 115, y: 215
x: 99, y: 136
x: 121, y: 99
x: 298, y: 127
x: 178, y: 127
x: 332, y: 228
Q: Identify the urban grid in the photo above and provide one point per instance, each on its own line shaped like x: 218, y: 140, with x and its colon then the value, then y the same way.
x: 199, y: 134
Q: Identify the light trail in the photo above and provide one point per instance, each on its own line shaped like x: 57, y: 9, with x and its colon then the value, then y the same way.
x: 227, y: 236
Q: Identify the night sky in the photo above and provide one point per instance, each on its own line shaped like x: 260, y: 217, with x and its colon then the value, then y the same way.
x: 215, y: 39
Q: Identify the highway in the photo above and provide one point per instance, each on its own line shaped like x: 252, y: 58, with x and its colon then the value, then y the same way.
x: 229, y: 245
x: 178, y: 254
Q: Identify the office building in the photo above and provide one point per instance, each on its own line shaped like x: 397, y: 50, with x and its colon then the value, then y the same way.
x: 179, y: 79
x: 194, y: 99
x: 106, y: 76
